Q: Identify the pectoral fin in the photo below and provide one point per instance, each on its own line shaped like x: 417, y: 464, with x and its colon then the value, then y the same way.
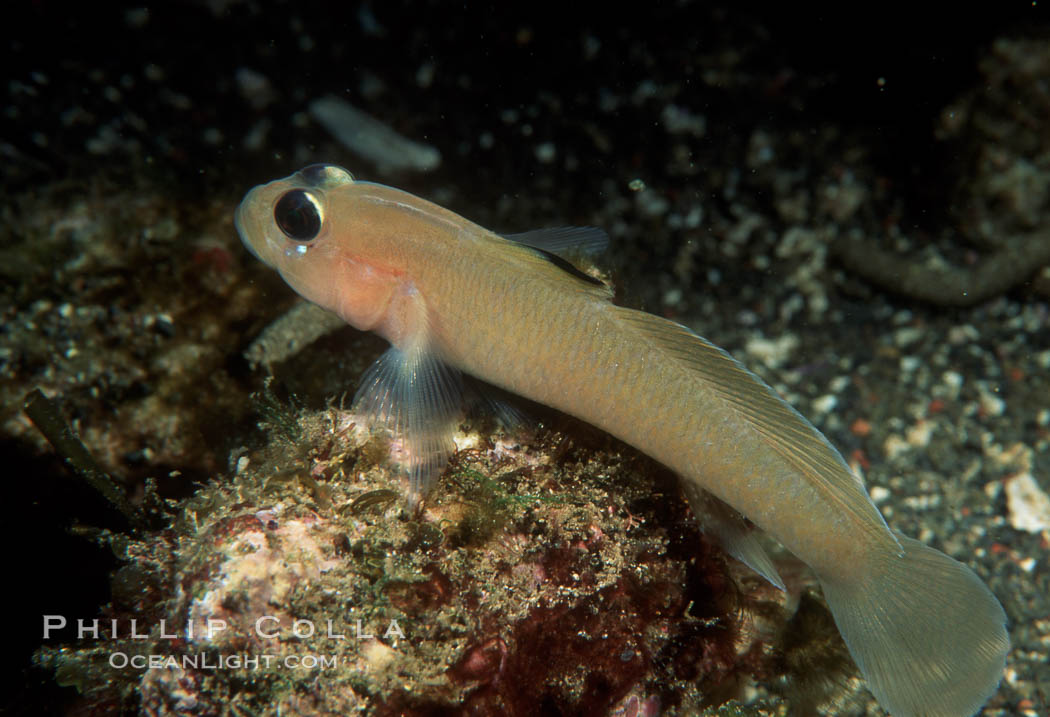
x: 417, y: 397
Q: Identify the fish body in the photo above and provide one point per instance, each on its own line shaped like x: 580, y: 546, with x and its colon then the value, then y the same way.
x: 453, y: 298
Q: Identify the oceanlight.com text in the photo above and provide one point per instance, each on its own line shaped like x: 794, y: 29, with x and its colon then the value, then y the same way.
x: 236, y: 661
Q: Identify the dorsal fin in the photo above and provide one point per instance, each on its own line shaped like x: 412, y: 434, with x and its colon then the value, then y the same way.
x: 565, y: 265
x: 564, y: 241
x: 781, y: 427
x: 554, y: 245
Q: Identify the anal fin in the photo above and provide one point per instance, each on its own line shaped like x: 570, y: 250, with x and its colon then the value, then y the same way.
x: 730, y: 529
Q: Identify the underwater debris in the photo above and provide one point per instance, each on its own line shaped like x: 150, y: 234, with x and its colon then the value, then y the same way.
x: 1027, y: 503
x: 1002, y: 197
x: 995, y: 273
x: 379, y: 499
x: 815, y: 665
x: 47, y: 417
x: 370, y: 139
x: 290, y: 333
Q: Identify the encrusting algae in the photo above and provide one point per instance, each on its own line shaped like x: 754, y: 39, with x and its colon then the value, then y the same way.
x: 539, y: 575
x: 454, y: 299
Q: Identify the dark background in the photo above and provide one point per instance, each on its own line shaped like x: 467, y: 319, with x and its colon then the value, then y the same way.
x: 173, y: 67
x: 162, y: 77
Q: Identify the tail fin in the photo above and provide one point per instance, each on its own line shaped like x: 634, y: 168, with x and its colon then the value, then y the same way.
x: 928, y: 635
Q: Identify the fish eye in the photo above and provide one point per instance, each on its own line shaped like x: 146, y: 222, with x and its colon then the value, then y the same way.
x: 298, y: 214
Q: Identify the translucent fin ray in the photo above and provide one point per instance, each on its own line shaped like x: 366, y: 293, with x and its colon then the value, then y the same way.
x: 927, y: 634
x: 417, y: 398
x: 565, y: 241
x: 498, y: 402
x: 542, y: 255
x: 730, y: 529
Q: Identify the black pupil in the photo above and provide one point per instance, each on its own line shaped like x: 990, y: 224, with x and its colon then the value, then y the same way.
x: 297, y: 216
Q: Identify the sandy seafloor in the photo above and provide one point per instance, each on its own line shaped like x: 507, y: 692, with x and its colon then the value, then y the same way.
x: 757, y: 172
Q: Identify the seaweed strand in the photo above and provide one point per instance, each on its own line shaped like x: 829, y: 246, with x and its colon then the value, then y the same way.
x: 45, y: 415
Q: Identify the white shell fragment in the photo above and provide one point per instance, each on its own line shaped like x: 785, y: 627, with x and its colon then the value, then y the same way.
x: 370, y: 139
x: 1027, y: 503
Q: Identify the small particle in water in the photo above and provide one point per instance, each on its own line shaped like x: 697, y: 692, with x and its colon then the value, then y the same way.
x: 546, y: 152
x: 369, y: 138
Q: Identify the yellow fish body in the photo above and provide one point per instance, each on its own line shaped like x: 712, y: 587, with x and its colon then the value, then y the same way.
x: 453, y: 298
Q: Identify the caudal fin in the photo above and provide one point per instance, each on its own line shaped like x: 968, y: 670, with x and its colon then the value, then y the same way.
x: 927, y: 634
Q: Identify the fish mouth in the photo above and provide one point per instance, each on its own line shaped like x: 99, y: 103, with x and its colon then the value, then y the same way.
x: 240, y: 221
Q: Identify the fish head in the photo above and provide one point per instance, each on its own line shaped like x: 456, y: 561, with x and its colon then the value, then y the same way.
x: 289, y: 226
x: 329, y: 245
